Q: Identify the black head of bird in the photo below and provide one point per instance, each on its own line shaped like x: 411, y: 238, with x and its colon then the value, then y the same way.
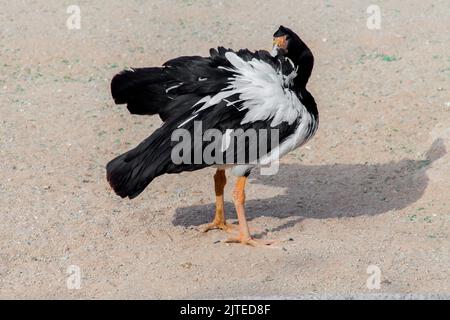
x: 287, y: 43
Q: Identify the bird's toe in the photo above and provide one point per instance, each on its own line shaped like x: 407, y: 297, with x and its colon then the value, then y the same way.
x: 227, y: 227
x: 257, y: 243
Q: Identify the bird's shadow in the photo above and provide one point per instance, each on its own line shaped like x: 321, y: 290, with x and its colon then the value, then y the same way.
x: 329, y: 191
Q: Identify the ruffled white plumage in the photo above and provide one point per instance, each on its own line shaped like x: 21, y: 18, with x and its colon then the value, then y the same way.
x: 264, y: 92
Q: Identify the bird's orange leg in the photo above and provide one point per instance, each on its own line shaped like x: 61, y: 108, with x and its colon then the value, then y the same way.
x: 219, y: 221
x: 244, y: 236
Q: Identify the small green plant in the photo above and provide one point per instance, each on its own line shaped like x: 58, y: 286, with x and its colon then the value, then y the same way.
x: 424, y: 163
x: 388, y: 58
x: 427, y: 219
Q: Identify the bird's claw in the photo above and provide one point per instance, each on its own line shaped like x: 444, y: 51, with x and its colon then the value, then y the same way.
x: 218, y: 225
x: 249, y: 241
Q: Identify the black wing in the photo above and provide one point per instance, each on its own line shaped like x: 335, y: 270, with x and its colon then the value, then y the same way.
x: 130, y: 173
x: 191, y: 80
x: 172, y: 89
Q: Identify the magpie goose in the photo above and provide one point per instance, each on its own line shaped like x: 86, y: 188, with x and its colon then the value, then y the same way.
x: 228, y: 92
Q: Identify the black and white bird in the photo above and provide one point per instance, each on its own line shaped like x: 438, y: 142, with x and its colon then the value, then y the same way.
x: 228, y: 92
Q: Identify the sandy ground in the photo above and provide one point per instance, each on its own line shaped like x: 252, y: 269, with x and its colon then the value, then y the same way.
x: 372, y: 188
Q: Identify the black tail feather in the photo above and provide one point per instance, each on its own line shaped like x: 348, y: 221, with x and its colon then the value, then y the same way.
x: 119, y: 173
x: 143, y: 90
x: 130, y: 173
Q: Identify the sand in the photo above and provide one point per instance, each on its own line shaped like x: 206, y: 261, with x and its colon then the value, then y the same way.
x: 371, y: 189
